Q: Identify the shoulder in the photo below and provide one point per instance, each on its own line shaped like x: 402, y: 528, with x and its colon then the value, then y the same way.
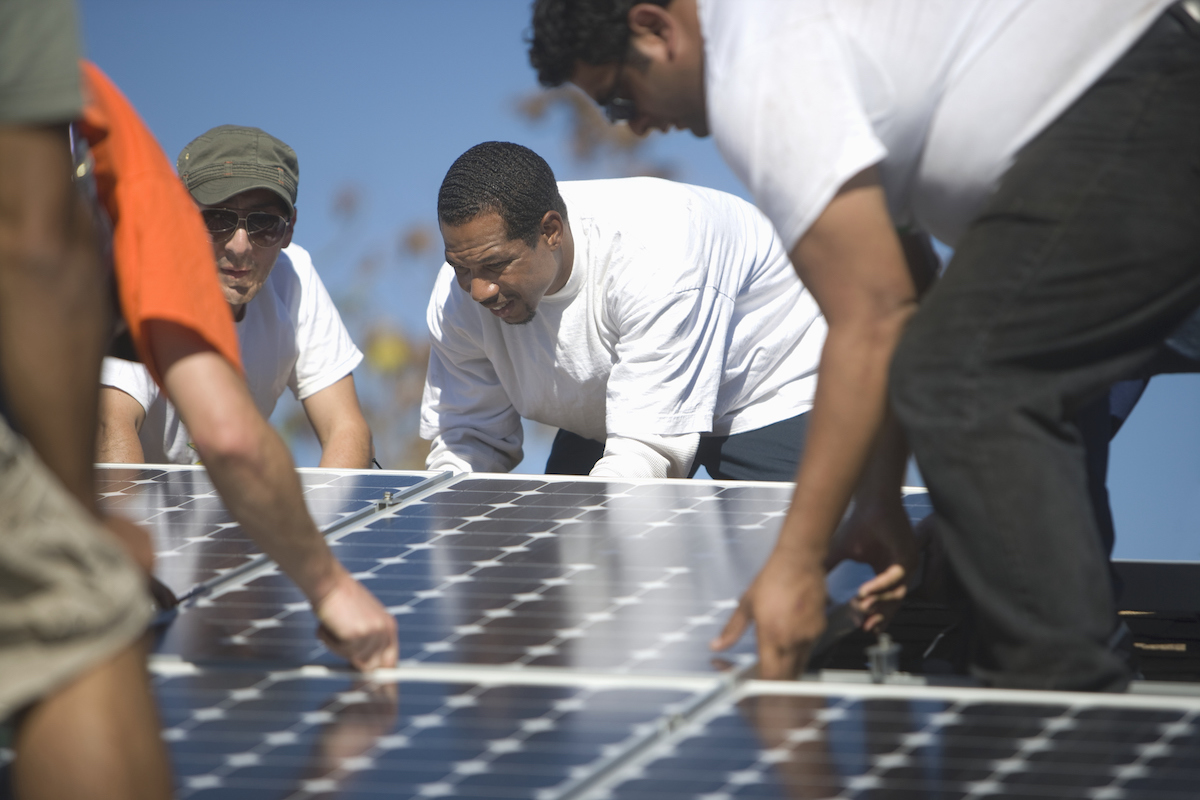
x: 295, y: 265
x: 295, y: 280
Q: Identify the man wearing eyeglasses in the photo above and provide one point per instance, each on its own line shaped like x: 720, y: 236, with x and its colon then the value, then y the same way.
x: 1054, y: 143
x: 245, y: 182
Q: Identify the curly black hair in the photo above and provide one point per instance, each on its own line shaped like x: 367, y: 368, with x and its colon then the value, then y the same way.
x: 506, y: 178
x: 568, y: 31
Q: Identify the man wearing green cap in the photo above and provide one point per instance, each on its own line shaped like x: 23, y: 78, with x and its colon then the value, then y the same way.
x: 173, y: 312
x: 245, y: 182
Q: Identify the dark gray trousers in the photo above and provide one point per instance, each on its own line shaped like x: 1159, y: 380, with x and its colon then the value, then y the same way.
x: 1085, y: 259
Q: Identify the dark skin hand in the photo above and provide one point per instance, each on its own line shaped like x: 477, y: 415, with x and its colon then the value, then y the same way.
x: 853, y: 263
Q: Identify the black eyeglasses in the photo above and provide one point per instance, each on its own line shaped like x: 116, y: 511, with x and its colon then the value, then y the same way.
x: 263, y: 228
x: 617, y: 108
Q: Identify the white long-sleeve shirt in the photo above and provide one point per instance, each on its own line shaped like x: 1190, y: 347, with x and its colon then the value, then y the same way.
x: 682, y: 317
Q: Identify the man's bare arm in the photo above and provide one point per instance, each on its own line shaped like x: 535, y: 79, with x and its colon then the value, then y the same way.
x: 342, y: 430
x: 851, y: 261
x: 53, y: 318
x: 878, y: 531
x: 121, y: 418
x: 253, y: 472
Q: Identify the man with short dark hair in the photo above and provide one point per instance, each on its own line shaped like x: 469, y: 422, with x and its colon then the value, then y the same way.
x: 290, y: 334
x: 659, y: 326
x: 1053, y: 143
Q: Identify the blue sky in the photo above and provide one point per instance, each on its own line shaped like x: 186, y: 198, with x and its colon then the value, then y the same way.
x: 385, y: 94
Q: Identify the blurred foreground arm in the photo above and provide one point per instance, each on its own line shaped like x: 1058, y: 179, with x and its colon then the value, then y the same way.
x: 851, y: 260
x: 53, y: 318
x: 253, y: 472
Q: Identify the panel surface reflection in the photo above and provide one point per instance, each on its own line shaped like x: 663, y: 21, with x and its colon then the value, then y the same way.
x: 256, y: 735
x: 796, y: 746
x: 195, y: 538
x: 518, y: 571
x: 515, y: 571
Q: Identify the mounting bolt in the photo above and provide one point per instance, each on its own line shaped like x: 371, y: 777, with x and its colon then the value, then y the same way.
x: 883, y: 658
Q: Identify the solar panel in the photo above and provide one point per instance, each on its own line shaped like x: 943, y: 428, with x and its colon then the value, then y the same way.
x: 801, y: 740
x: 554, y: 639
x: 522, y: 572
x: 239, y: 734
x: 196, y: 540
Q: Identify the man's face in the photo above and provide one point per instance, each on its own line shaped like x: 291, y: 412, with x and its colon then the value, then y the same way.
x: 242, y: 265
x: 666, y: 93
x: 506, y: 276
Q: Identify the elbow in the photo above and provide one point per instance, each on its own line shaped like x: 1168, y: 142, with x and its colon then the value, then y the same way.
x: 878, y: 324
x: 236, y: 444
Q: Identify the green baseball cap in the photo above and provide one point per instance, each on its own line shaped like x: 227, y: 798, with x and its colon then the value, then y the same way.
x: 230, y: 159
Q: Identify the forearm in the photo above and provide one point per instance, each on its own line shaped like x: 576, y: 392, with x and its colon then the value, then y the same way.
x: 117, y: 446
x: 246, y: 460
x: 259, y: 486
x: 338, y: 422
x: 119, y: 421
x: 53, y: 319
x: 847, y: 416
x: 348, y: 447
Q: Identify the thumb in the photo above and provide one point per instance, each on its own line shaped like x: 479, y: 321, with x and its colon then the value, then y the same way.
x: 734, y: 627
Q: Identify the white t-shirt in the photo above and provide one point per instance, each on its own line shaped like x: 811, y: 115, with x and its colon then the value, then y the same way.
x: 940, y: 94
x: 682, y: 315
x: 291, y: 336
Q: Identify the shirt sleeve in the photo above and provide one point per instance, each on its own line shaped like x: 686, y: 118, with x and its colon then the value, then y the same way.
x: 648, y: 457
x: 787, y: 116
x: 325, y: 351
x: 464, y: 411
x: 162, y: 257
x: 131, y: 378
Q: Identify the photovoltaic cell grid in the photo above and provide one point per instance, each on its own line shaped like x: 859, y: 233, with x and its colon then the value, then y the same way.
x: 195, y: 537
x: 255, y: 735
x: 518, y: 571
x: 492, y: 578
x: 527, y: 572
x: 984, y: 744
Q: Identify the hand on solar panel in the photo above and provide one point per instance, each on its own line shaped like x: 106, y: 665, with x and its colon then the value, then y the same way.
x: 356, y: 626
x: 787, y: 601
x: 878, y: 534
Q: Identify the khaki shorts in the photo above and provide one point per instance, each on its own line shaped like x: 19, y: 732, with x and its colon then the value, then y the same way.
x: 39, y: 62
x: 69, y: 596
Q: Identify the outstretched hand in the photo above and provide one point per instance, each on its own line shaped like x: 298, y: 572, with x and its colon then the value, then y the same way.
x: 787, y: 603
x: 787, y: 599
x: 356, y: 626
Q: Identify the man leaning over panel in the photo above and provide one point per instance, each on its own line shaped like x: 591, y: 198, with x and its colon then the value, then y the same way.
x: 1053, y: 143
x: 178, y: 326
x: 245, y: 182
x: 659, y: 326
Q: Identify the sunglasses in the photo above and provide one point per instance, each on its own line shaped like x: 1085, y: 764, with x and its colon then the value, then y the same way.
x: 263, y: 228
x: 616, y: 108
